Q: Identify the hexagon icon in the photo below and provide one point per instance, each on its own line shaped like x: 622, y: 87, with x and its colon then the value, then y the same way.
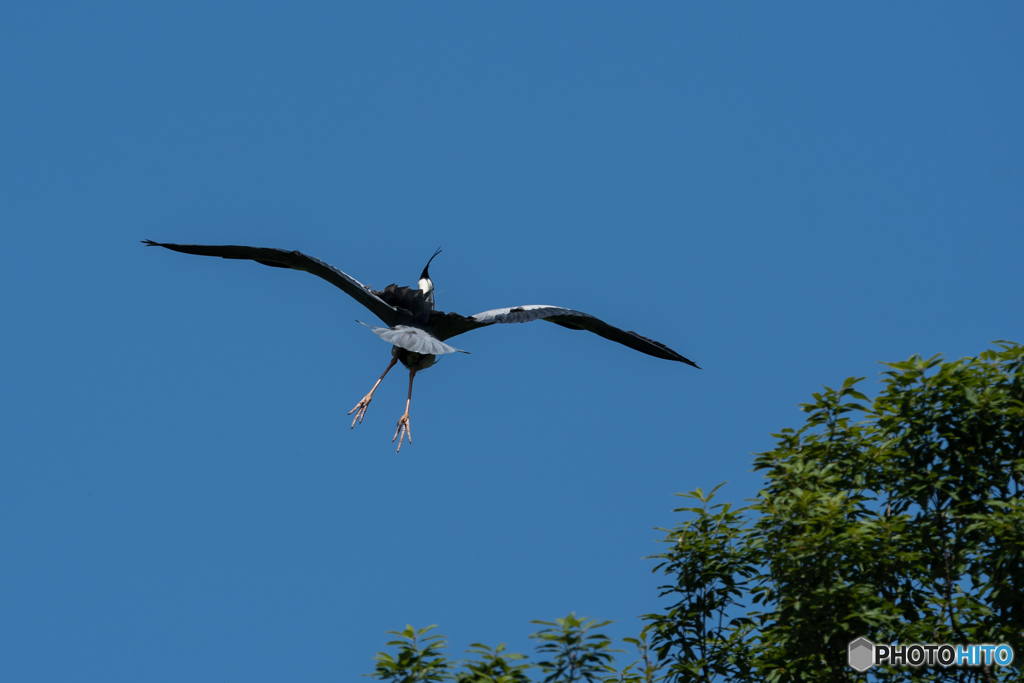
x: 861, y: 654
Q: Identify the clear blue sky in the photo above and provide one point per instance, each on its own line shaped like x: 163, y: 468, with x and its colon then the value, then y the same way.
x: 786, y: 194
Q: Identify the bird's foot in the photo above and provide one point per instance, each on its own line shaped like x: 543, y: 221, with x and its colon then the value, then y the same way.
x: 361, y: 407
x: 403, y: 430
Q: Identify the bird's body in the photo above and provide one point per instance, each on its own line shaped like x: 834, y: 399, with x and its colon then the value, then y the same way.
x: 415, y: 329
x: 412, y: 360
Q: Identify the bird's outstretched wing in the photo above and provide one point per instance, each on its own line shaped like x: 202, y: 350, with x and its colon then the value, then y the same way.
x: 447, y: 325
x: 281, y: 258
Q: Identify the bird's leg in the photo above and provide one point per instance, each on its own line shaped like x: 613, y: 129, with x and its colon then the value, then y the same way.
x: 403, y: 422
x: 365, y: 403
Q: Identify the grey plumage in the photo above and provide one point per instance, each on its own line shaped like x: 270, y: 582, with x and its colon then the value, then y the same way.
x: 413, y: 339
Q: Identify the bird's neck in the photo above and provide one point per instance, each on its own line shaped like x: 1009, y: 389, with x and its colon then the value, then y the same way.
x: 427, y: 287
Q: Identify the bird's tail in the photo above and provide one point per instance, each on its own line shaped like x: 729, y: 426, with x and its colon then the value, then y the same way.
x: 413, y: 339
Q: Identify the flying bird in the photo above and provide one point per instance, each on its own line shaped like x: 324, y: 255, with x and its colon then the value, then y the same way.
x: 417, y: 331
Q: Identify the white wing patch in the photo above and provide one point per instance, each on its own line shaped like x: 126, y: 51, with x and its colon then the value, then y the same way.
x: 413, y: 339
x: 525, y: 314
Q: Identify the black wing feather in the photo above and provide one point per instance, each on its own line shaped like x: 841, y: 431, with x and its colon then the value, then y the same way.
x: 281, y: 258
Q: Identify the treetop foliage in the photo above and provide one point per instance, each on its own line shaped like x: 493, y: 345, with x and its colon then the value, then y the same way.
x: 572, y: 650
x: 898, y: 518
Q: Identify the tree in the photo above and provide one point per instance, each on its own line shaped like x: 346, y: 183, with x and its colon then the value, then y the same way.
x: 899, y: 519
x: 573, y: 651
x: 905, y: 526
x: 420, y: 658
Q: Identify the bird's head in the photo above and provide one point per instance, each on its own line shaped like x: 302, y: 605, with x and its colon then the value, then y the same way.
x: 426, y: 284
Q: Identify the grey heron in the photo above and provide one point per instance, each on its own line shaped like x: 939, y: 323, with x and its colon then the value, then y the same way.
x: 415, y: 329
